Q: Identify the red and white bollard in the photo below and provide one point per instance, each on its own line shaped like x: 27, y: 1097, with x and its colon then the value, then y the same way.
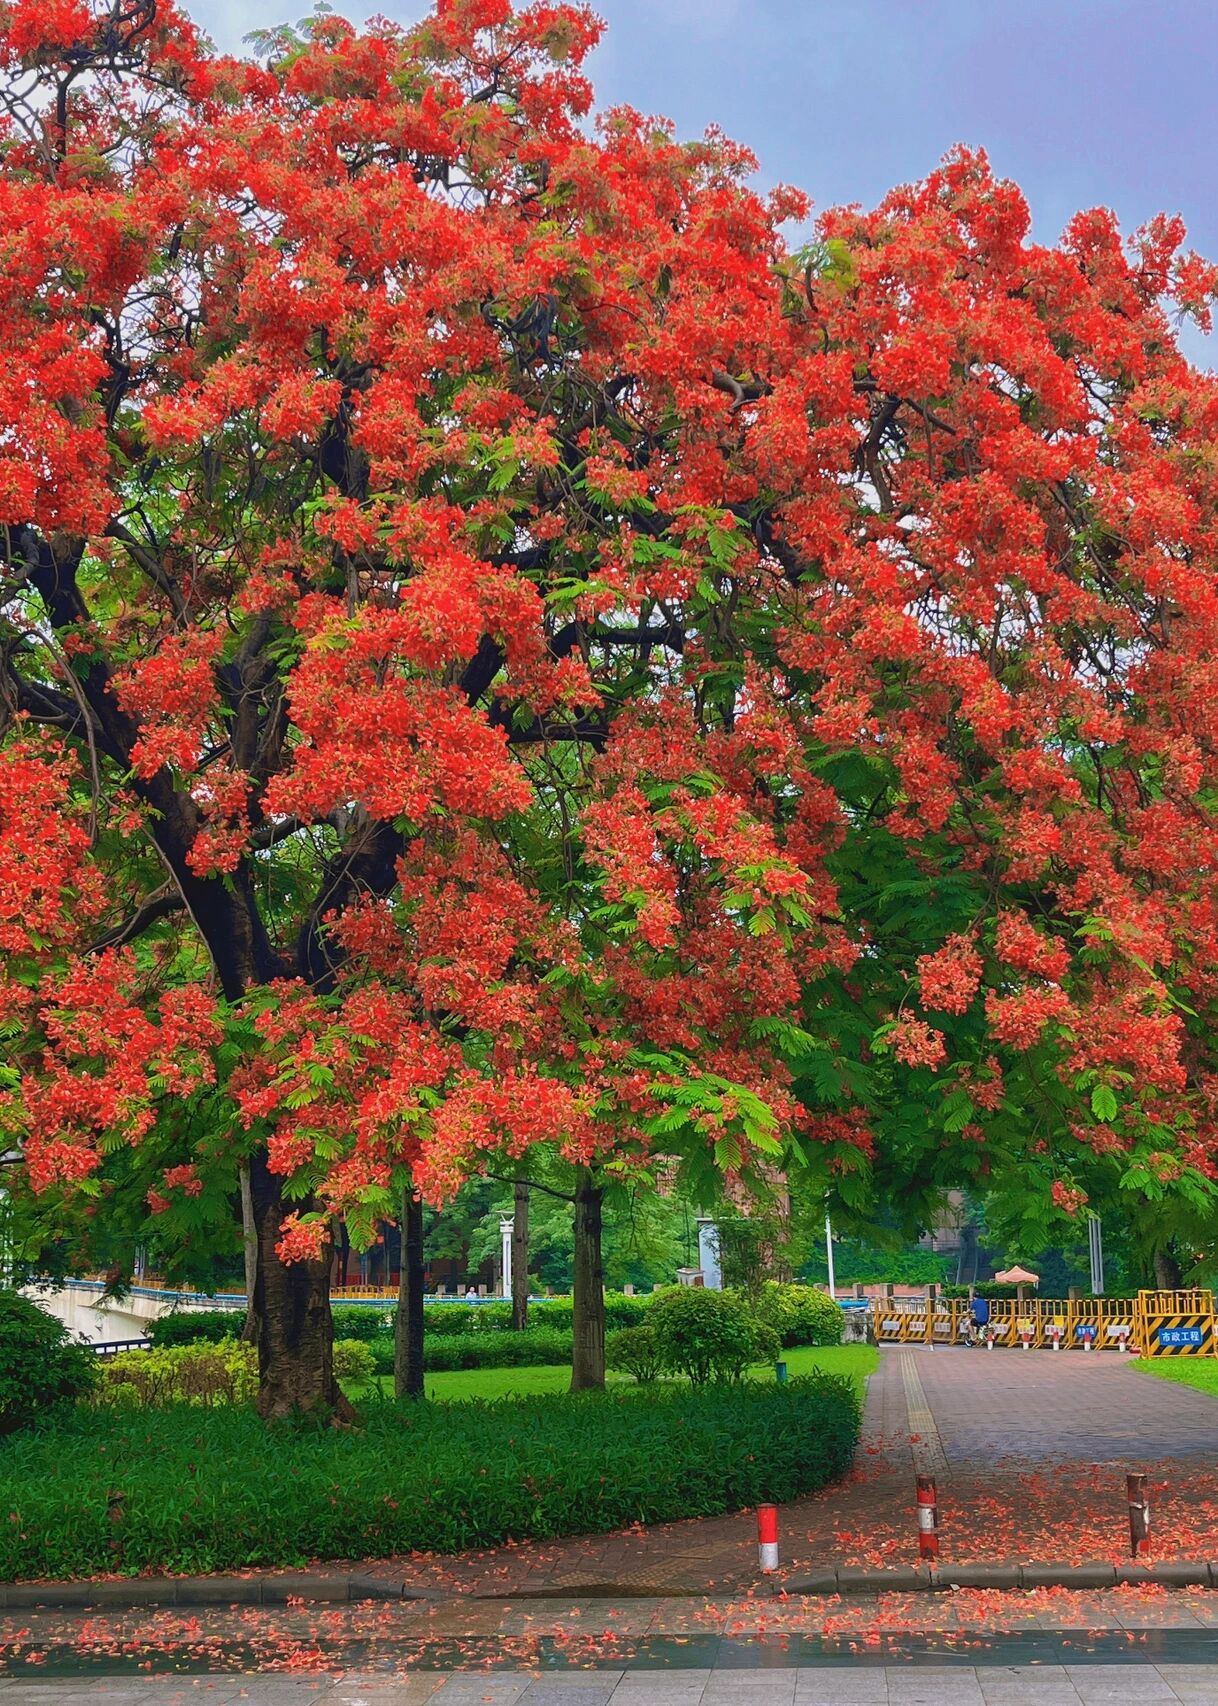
x: 1055, y: 1334
x: 1025, y: 1337
x: 767, y: 1536
x: 1139, y: 1515
x: 928, y: 1519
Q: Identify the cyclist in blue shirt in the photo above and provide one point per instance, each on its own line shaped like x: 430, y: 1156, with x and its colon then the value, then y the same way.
x: 980, y: 1318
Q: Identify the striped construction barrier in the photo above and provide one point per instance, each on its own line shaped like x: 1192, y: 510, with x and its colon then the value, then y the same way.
x: 1177, y: 1323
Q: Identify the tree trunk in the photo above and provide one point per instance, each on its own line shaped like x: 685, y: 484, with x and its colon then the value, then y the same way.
x: 1167, y: 1271
x: 588, y: 1298
x: 292, y: 1307
x: 408, y: 1330
x: 249, y: 1245
x: 520, y: 1257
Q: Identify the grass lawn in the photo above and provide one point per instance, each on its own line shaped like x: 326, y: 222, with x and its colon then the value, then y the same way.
x: 1201, y: 1372
x: 462, y: 1384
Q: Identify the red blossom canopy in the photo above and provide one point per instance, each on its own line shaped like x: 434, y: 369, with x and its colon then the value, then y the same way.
x: 476, y: 601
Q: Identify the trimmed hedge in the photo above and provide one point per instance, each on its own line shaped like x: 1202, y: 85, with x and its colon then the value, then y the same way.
x: 445, y: 1351
x: 189, y: 1326
x: 445, y: 1320
x: 353, y: 1322
x: 458, y: 1317
x: 202, y: 1490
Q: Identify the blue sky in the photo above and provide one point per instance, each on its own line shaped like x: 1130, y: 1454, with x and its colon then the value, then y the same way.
x: 1081, y: 101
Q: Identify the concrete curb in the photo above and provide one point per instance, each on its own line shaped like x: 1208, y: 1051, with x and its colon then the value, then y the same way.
x: 137, y: 1591
x: 131, y: 1593
x: 942, y: 1578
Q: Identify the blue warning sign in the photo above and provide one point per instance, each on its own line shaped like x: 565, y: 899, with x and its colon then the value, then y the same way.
x: 1181, y: 1336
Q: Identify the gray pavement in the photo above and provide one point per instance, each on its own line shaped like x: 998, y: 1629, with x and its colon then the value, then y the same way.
x: 925, y: 1685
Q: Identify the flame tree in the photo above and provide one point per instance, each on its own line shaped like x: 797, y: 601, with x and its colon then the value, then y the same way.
x: 501, y: 656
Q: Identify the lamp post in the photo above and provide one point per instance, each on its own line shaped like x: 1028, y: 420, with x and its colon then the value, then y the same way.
x: 1095, y: 1240
x: 829, y: 1257
x: 505, y: 1233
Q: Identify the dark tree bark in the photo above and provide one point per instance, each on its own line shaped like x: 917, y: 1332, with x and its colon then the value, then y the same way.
x: 249, y: 1246
x: 292, y: 1308
x: 588, y: 1294
x: 520, y: 1256
x: 408, y: 1330
x: 1167, y: 1271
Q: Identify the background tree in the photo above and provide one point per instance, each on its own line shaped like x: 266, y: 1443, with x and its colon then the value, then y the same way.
x: 375, y: 488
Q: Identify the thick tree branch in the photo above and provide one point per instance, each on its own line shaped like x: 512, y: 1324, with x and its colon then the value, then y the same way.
x: 162, y: 903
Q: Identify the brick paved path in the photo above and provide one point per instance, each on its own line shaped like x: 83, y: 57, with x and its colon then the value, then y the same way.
x: 1042, y: 1407
x: 1030, y: 1451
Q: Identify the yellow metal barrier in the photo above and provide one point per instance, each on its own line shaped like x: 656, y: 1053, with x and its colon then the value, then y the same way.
x: 1176, y: 1323
x: 1173, y: 1323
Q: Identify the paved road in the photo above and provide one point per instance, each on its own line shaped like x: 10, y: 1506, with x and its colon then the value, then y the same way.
x: 1083, y: 1685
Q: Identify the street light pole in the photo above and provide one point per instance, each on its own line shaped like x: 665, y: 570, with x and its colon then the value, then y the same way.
x: 505, y: 1233
x: 829, y: 1257
x: 1095, y: 1240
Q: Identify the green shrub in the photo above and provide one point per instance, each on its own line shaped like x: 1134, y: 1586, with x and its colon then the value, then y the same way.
x: 382, y: 1353
x: 799, y: 1314
x: 620, y: 1311
x: 41, y: 1364
x: 218, y: 1489
x: 189, y: 1326
x: 495, y: 1350
x: 708, y: 1335
x: 460, y: 1317
x: 445, y: 1351
x: 355, y: 1361
x: 200, y: 1374
x: 635, y: 1350
x: 359, y: 1321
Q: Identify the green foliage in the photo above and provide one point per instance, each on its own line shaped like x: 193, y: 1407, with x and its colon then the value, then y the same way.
x: 205, y: 1373
x: 358, y: 1321
x: 859, y: 1261
x: 203, y: 1490
x: 188, y: 1326
x: 41, y: 1365
x: 459, y: 1317
x: 469, y: 1318
x: 354, y: 1360
x: 539, y: 1345
x: 635, y: 1350
x: 646, y: 1237
x: 708, y: 1335
x: 799, y: 1314
x: 751, y: 1247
